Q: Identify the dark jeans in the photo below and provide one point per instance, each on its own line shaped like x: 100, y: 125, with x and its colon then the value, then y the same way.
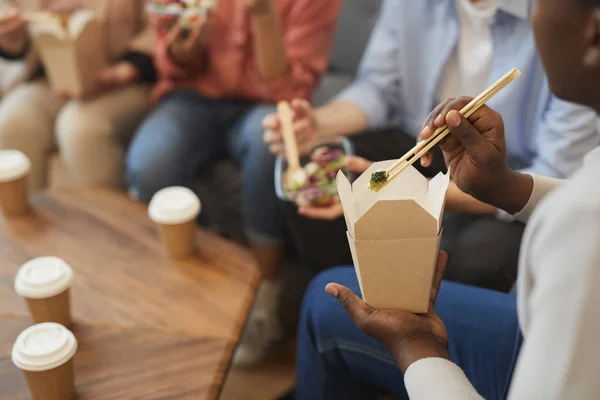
x: 337, y: 361
x: 483, y: 251
x: 186, y: 134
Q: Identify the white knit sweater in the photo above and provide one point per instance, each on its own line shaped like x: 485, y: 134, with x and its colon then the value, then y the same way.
x: 558, y: 300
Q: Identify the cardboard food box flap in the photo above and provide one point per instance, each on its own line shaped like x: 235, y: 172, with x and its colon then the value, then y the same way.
x: 51, y: 30
x: 80, y: 20
x: 345, y: 193
x: 407, y: 207
x: 72, y: 56
x: 438, y: 187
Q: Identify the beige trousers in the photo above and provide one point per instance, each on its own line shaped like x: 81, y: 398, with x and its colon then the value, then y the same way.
x: 91, y: 135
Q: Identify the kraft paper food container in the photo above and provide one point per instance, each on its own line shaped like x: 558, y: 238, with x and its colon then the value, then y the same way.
x: 313, y: 196
x: 174, y: 210
x: 394, y: 235
x: 73, y: 54
x: 45, y: 284
x: 14, y: 170
x: 44, y: 353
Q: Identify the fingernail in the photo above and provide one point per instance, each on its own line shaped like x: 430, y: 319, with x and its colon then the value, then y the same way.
x: 422, y: 162
x: 332, y: 290
x: 453, y: 119
x: 439, y: 120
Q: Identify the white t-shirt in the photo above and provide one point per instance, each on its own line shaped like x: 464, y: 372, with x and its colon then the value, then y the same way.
x: 468, y: 69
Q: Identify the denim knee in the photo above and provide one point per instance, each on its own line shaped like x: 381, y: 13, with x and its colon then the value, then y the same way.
x: 321, y: 309
x: 263, y: 216
x: 148, y: 169
x: 147, y: 175
x: 331, y: 327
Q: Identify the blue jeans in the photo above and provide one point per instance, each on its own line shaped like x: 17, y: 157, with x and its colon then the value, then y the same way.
x: 187, y: 133
x: 337, y: 361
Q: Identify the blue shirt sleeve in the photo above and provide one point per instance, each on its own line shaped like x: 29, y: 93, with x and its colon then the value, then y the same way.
x: 377, y: 87
x: 565, y: 134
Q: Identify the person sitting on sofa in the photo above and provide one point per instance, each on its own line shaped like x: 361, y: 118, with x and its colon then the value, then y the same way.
x: 90, y: 133
x: 475, y: 343
x: 217, y: 81
x: 420, y: 53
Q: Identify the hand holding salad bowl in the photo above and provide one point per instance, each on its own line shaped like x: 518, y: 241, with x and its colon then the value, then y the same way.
x: 306, y: 169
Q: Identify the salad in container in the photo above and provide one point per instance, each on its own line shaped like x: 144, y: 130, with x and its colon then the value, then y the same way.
x: 317, y: 186
x: 177, y: 8
x: 186, y: 13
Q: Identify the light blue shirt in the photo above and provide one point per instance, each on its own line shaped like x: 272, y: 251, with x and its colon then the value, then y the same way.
x: 402, y: 67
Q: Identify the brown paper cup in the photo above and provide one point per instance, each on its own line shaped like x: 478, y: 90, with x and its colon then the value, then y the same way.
x: 52, y: 309
x: 14, y: 197
x: 54, y: 384
x: 44, y: 353
x: 174, y: 210
x: 178, y: 239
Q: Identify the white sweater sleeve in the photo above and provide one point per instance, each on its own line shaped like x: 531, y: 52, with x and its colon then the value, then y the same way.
x: 438, y: 378
x: 558, y: 301
x: 542, y: 185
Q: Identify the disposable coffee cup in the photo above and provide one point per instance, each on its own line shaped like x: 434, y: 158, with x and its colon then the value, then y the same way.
x: 174, y: 210
x: 45, y: 284
x: 14, y: 170
x: 44, y: 352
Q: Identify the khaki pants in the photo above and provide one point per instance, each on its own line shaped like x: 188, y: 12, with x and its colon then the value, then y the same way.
x: 91, y: 135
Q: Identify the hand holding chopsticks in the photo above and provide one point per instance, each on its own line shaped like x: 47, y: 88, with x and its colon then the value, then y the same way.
x: 384, y: 177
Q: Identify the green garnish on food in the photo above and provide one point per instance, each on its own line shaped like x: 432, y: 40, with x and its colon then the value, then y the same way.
x: 378, y: 179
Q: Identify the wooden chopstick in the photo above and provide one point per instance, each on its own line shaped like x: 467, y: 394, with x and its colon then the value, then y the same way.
x: 426, y: 145
x: 463, y: 111
x: 284, y: 111
x: 438, y: 131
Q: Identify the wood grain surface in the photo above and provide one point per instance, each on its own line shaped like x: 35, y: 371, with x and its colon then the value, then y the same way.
x: 148, y: 327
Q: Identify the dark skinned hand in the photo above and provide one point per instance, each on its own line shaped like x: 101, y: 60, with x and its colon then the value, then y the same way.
x: 409, y: 337
x: 475, y: 153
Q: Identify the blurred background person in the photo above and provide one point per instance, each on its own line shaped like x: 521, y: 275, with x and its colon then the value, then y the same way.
x: 218, y: 78
x: 420, y: 53
x: 91, y: 133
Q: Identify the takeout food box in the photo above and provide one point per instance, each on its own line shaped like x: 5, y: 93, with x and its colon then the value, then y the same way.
x: 394, y: 235
x: 71, y: 49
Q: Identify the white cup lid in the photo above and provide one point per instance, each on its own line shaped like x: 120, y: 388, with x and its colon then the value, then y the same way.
x: 174, y: 205
x: 43, y: 277
x: 13, y: 165
x: 43, y: 347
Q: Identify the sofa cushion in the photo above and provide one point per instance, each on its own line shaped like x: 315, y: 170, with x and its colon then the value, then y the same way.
x: 330, y: 86
x: 355, y: 22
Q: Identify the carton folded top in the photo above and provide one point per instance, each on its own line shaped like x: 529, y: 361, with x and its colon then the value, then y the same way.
x: 75, y: 25
x: 408, y: 207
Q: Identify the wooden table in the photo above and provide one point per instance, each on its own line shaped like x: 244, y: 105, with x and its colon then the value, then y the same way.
x: 148, y: 328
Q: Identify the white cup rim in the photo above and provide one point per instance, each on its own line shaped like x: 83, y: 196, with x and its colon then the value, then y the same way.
x: 33, y: 352
x: 13, y: 165
x: 43, y: 277
x: 174, y: 205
